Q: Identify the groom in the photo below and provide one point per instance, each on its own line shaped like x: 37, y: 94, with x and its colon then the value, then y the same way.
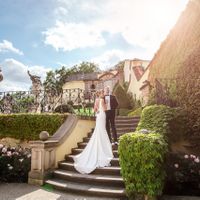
x: 111, y: 103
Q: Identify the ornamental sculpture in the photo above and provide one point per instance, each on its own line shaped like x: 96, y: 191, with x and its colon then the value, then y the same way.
x: 1, y: 75
x: 36, y: 83
x: 36, y: 90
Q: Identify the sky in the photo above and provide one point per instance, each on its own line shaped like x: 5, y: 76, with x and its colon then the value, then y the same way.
x: 41, y: 35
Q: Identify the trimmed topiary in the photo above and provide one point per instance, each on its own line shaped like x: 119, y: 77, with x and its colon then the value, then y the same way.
x: 123, y: 98
x: 141, y: 159
x: 135, y: 113
x: 28, y: 126
x: 170, y: 122
x: 64, y: 108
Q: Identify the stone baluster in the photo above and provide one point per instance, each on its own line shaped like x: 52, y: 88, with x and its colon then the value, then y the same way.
x: 43, y: 159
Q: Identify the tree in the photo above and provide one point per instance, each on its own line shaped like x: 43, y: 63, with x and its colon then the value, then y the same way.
x: 56, y: 79
x: 123, y: 98
x: 51, y: 83
x: 119, y: 65
x: 87, y: 67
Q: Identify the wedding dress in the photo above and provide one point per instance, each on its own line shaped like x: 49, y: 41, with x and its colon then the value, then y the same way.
x: 98, y: 152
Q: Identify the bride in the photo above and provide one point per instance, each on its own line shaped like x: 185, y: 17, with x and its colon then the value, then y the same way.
x: 98, y: 152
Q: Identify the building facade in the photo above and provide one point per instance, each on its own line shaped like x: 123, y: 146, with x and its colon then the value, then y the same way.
x: 94, y: 81
x: 136, y: 73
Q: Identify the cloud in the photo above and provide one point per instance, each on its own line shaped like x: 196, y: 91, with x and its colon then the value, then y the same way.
x: 60, y: 12
x: 7, y: 46
x: 112, y: 57
x: 69, y: 36
x: 16, y: 77
x: 141, y: 23
x: 108, y: 59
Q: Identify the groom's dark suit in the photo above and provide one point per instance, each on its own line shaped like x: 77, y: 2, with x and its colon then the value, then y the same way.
x: 110, y: 116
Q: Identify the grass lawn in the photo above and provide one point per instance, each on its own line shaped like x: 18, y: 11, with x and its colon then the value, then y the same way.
x: 86, y: 111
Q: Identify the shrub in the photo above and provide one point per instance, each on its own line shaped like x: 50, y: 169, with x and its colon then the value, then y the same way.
x: 136, y: 112
x: 70, y: 102
x: 15, y: 163
x: 170, y: 122
x: 183, y: 174
x: 89, y: 105
x: 123, y: 112
x: 141, y: 159
x: 28, y: 126
x: 122, y: 97
x: 156, y: 118
x: 64, y: 108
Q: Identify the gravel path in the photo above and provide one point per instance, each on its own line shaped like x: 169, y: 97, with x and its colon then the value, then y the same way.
x: 22, y: 191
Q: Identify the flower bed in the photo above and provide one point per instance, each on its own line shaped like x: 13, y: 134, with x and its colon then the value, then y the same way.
x: 15, y: 163
x: 183, y: 175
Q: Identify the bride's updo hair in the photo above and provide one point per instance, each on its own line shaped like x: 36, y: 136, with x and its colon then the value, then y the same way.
x: 97, y: 94
x: 101, y: 93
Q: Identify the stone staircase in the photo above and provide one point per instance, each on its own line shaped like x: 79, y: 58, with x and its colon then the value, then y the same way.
x: 103, y: 182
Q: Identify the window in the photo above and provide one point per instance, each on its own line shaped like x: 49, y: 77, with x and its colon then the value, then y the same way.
x: 92, y: 87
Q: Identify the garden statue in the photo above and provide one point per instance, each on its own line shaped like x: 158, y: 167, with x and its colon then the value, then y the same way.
x: 1, y: 75
x: 8, y: 103
x: 36, y: 91
x: 36, y: 83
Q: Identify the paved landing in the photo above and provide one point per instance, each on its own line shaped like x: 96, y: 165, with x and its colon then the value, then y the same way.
x: 180, y: 198
x: 22, y: 191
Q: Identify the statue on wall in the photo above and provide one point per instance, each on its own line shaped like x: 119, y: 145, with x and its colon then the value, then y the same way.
x: 1, y: 75
x: 36, y: 90
x: 36, y: 82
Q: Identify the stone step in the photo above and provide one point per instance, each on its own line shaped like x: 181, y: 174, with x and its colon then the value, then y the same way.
x: 86, y: 139
x: 82, y: 145
x: 96, y: 179
x: 120, y: 132
x: 87, y: 189
x: 76, y: 151
x: 125, y: 118
x: 113, y: 170
x: 114, y: 161
x: 125, y: 130
x: 126, y: 125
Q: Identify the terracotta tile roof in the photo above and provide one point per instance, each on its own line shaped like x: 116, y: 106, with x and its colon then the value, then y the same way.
x: 83, y: 77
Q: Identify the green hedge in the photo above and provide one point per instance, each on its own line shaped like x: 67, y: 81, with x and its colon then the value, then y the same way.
x: 141, y: 159
x: 123, y: 98
x: 123, y: 112
x: 170, y: 122
x: 136, y: 112
x: 156, y: 118
x: 28, y: 126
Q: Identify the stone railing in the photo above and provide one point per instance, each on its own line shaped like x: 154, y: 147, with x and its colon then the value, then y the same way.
x: 37, y: 101
x: 47, y: 154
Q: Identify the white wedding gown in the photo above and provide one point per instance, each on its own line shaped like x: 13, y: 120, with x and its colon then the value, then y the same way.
x: 98, y: 152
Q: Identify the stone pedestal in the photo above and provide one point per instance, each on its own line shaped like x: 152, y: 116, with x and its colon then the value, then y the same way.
x: 42, y: 161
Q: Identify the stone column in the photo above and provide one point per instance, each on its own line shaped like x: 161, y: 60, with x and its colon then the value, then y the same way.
x: 42, y: 161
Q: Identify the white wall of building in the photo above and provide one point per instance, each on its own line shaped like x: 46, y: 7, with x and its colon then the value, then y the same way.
x: 129, y: 76
x: 74, y: 85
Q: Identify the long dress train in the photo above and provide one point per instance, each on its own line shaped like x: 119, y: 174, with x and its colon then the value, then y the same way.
x: 98, y: 152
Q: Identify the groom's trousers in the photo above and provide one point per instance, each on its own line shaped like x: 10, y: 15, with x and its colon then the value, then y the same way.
x: 110, y: 121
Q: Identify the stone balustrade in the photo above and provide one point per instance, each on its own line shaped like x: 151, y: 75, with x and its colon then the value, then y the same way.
x: 47, y: 154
